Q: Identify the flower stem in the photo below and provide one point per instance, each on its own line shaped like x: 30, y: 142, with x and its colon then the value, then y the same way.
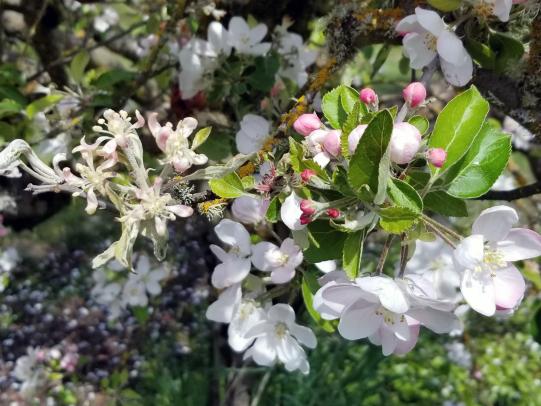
x: 442, y: 227
x: 384, y: 253
x: 440, y: 234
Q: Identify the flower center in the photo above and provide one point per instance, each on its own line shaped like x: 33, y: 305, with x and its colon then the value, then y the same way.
x: 281, y: 330
x: 484, y: 9
x: 430, y: 41
x: 390, y: 318
x: 493, y: 259
x: 246, y: 309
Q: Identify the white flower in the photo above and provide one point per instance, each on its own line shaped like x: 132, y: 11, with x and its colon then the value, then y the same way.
x: 9, y: 259
x: 30, y: 371
x: 247, y: 40
x: 326, y: 266
x: 489, y: 281
x: 498, y: 8
x: 291, y: 212
x: 241, y: 314
x: 108, y: 294
x: 236, y: 263
x: 324, y: 145
x: 144, y: 280
x: 250, y: 210
x: 297, y: 56
x: 426, y: 36
x: 103, y: 22
x: 253, y: 133
x: 280, y: 261
x: 278, y: 337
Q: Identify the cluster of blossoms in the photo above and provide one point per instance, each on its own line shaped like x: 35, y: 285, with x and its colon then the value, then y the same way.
x: 426, y: 37
x: 266, y: 332
x: 200, y: 58
x: 117, y: 292
x: 143, y: 205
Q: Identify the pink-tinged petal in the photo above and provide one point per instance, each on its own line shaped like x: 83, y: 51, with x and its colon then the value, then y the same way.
x: 519, y: 244
x: 234, y: 234
x: 502, y: 8
x: 495, y: 223
x: 359, y: 322
x: 479, y: 292
x: 403, y: 347
x: 110, y: 147
x: 438, y: 321
x: 401, y: 329
x: 91, y: 202
x: 430, y: 21
x: 140, y: 120
x: 332, y: 143
x: 469, y: 253
x: 509, y: 287
x: 153, y: 124
x: 304, y: 335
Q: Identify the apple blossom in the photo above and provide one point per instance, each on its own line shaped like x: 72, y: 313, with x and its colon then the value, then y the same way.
x: 354, y: 137
x: 306, y: 123
x: 250, y: 210
x: 414, y: 94
x: 236, y: 263
x: 498, y: 8
x: 144, y: 280
x: 278, y: 337
x: 291, y: 212
x: 307, y: 207
x: 297, y: 56
x: 280, y: 261
x: 324, y: 145
x: 426, y: 36
x: 436, y: 156
x: 489, y: 281
x: 254, y: 132
x: 307, y: 174
x: 405, y: 142
x: 247, y: 40
x: 333, y: 213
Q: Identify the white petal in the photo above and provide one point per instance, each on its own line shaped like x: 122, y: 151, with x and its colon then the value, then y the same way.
x: 388, y: 292
x: 469, y: 253
x: 180, y: 210
x: 282, y: 275
x: 343, y: 294
x: 220, y: 253
x: 263, y: 352
x: 457, y: 75
x: 281, y: 312
x: 450, y: 48
x: 290, y: 212
x: 359, y: 322
x: 436, y: 320
x: 258, y: 33
x: 260, y: 49
x: 502, y: 8
x: 417, y: 51
x: 388, y: 341
x: 231, y: 272
x: 222, y: 309
x: 509, y: 287
x: 494, y: 223
x: 479, y: 293
x: 218, y: 37
x: 430, y: 21
x: 322, y: 159
x: 266, y: 256
x: 247, y: 145
x: 238, y: 27
x: 403, y: 347
x: 304, y: 335
x: 519, y: 244
x: 409, y: 24
x: 234, y: 234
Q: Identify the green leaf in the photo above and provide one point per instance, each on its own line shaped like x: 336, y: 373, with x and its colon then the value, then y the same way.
x: 273, y: 211
x: 263, y: 77
x: 296, y: 154
x: 396, y: 220
x: 443, y: 203
x: 42, y: 103
x: 338, y: 103
x: 340, y: 182
x: 420, y: 123
x: 369, y: 166
x: 381, y: 57
x: 78, y: 65
x: 481, y: 53
x: 12, y: 93
x: 352, y: 253
x: 229, y: 186
x: 404, y: 195
x: 308, y: 288
x: 325, y: 242
x: 9, y: 108
x: 445, y: 5
x: 507, y: 49
x: 248, y: 182
x: 457, y: 125
x: 200, y: 137
x: 349, y: 125
x: 475, y: 174
x: 109, y: 79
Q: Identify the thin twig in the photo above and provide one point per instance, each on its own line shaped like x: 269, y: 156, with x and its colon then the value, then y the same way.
x: 384, y: 253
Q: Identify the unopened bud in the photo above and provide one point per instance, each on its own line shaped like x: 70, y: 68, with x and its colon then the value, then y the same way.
x: 331, y: 144
x: 414, y: 94
x: 368, y: 96
x: 436, y: 156
x: 307, y: 174
x: 307, y: 123
x: 405, y: 142
x: 307, y: 207
x: 333, y: 213
x: 355, y: 136
x: 305, y: 219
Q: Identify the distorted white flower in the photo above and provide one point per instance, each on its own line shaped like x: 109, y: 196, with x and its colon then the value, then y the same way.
x: 427, y: 36
x: 278, y: 337
x: 254, y: 132
x: 247, y: 40
x: 30, y: 370
x: 236, y: 262
x: 107, y: 19
x: 250, y: 210
x: 9, y: 259
x: 145, y: 280
x: 279, y: 261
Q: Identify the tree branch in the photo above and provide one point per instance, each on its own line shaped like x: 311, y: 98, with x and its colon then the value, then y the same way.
x: 514, y: 194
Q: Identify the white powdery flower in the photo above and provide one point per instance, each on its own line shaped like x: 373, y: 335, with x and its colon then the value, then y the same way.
x: 426, y: 36
x: 489, y: 281
x: 236, y: 262
x: 278, y: 337
x: 250, y: 210
x: 279, y: 261
x: 144, y: 281
x: 254, y: 132
x: 247, y: 40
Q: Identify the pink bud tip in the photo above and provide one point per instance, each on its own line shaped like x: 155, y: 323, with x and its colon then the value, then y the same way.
x: 414, y: 94
x: 307, y: 207
x: 307, y: 123
x: 436, y: 156
x: 368, y: 96
x: 307, y: 174
x: 305, y: 219
x: 333, y: 213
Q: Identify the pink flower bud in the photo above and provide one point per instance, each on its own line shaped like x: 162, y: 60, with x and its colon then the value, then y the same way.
x: 414, y: 94
x: 305, y: 219
x: 405, y: 142
x: 331, y: 144
x: 307, y: 207
x: 307, y: 123
x: 355, y: 136
x: 307, y: 174
x: 333, y: 213
x: 436, y: 156
x: 368, y: 96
